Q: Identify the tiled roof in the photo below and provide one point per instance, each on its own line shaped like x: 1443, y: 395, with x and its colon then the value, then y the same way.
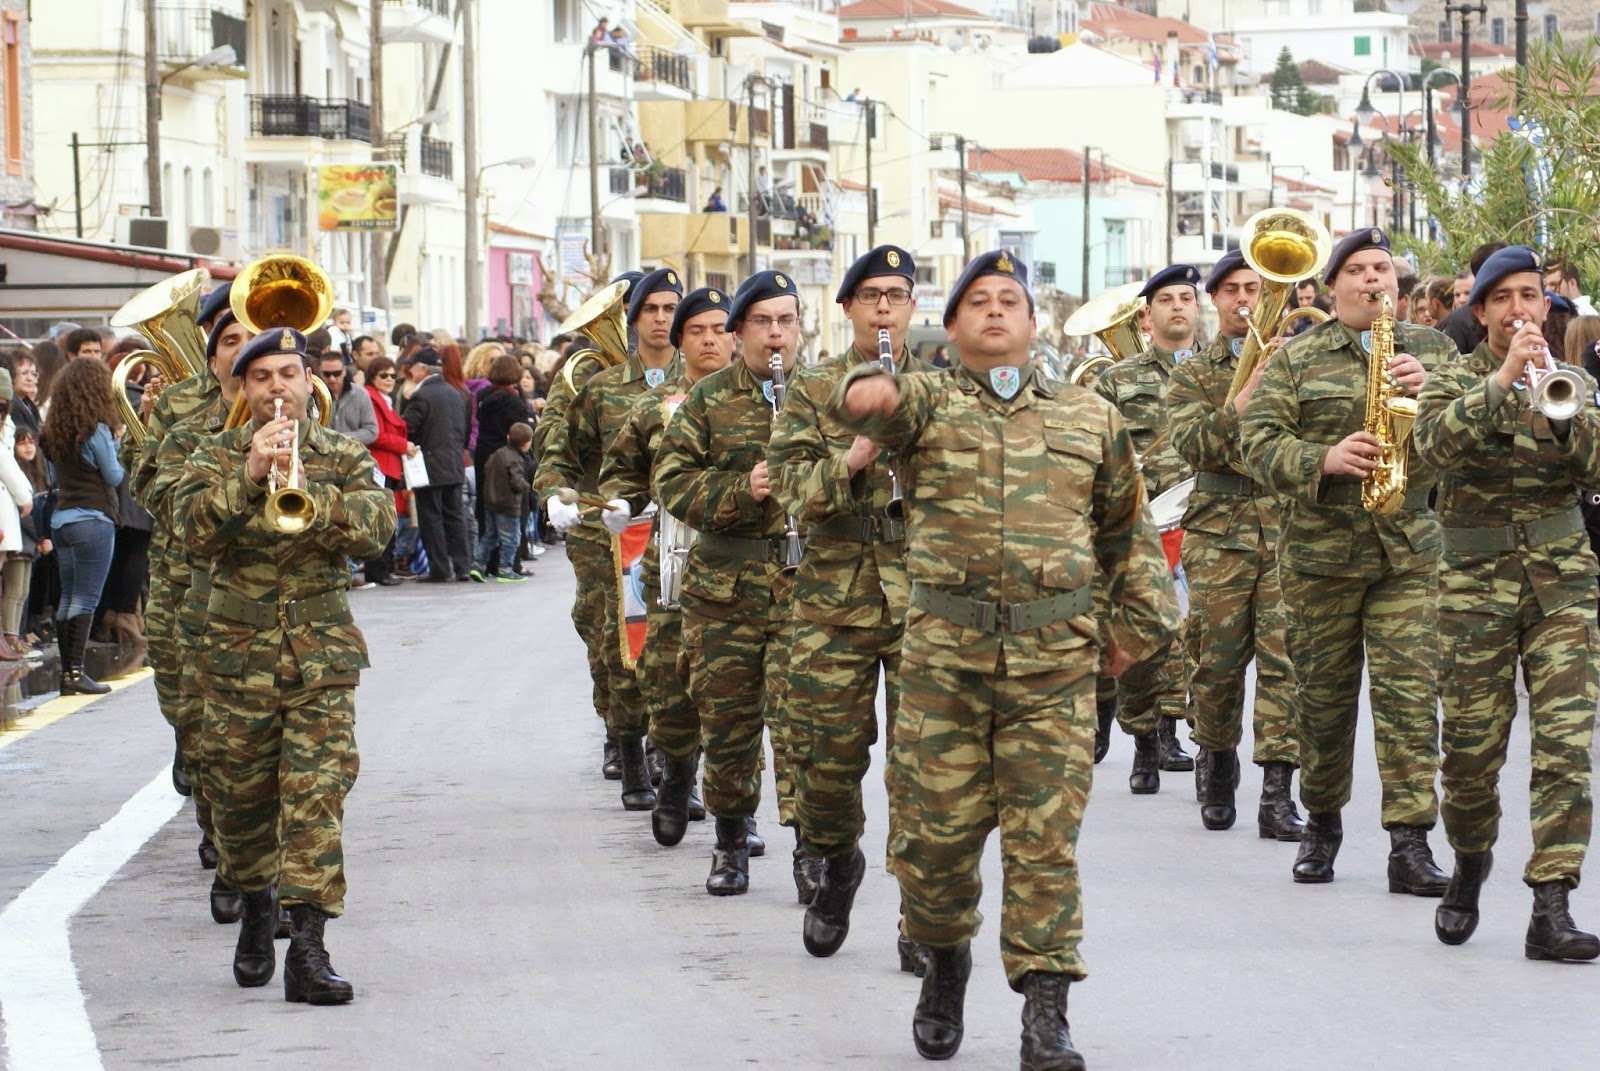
x: 892, y: 9
x: 1113, y: 20
x: 1047, y: 165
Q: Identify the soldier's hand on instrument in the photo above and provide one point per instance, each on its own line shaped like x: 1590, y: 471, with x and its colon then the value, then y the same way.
x: 872, y: 396
x: 1242, y: 399
x: 1407, y: 371
x: 1115, y: 660
x: 266, y: 445
x: 1527, y: 346
x: 562, y: 515
x: 760, y: 484
x: 1354, y: 455
x: 618, y: 517
x: 863, y: 452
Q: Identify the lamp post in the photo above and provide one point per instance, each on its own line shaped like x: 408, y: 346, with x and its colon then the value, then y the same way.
x: 1272, y: 179
x: 1354, y: 145
x: 1427, y: 106
x: 473, y: 257
x: 224, y: 56
x: 1465, y: 10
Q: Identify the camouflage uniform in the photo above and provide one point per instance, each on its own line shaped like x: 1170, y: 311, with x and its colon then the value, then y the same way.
x: 1516, y: 582
x: 849, y: 604
x: 1230, y: 536
x: 996, y: 720
x: 735, y: 596
x: 625, y: 474
x: 1350, y: 578
x: 1137, y: 386
x: 280, y: 658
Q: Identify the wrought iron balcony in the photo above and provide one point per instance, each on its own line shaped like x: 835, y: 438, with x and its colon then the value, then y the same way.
x: 279, y: 116
x: 622, y: 179
x: 659, y: 65
x: 438, y: 7
x: 668, y: 183
x: 187, y: 31
x: 437, y: 158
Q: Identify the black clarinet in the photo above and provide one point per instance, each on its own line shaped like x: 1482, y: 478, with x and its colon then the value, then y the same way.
x: 792, y: 547
x: 895, y: 511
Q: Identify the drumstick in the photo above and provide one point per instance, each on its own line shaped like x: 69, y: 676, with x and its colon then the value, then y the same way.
x: 570, y: 497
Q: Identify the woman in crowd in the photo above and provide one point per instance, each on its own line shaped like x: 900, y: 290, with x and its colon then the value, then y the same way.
x: 387, y: 450
x: 499, y: 407
x: 50, y: 360
x: 16, y: 500
x: 79, y: 441
x: 17, y: 579
x: 25, y: 392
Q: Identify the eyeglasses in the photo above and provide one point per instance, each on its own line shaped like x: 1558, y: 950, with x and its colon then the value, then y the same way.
x: 335, y: 374
x: 384, y: 375
x: 764, y: 323
x: 871, y: 295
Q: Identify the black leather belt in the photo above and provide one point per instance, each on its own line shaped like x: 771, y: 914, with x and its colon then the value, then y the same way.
x: 746, y: 550
x: 1507, y: 537
x: 860, y: 530
x: 993, y: 617
x: 1226, y: 483
x: 1348, y: 493
x: 331, y: 607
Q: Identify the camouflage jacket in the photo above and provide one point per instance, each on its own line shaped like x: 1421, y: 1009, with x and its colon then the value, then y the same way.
x: 575, y: 372
x: 220, y: 512
x: 1137, y: 386
x: 630, y: 457
x: 147, y: 482
x: 176, y: 447
x: 1501, y: 466
x: 841, y: 581
x: 702, y: 477
x: 1205, y: 432
x: 1312, y: 395
x: 1012, y: 502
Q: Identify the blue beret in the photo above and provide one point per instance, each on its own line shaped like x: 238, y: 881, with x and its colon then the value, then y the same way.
x: 1354, y: 242
x: 223, y: 322
x: 881, y: 260
x: 1226, y: 265
x: 214, y: 303
x: 703, y: 300
x: 1560, y: 304
x: 759, y: 287
x: 1176, y: 275
x: 652, y: 283
x: 998, y: 262
x: 631, y: 277
x: 1508, y: 261
x: 278, y: 340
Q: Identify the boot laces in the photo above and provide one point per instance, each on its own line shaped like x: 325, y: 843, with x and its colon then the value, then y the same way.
x: 1043, y: 1013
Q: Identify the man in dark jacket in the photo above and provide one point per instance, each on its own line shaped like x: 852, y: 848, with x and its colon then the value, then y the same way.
x: 436, y: 421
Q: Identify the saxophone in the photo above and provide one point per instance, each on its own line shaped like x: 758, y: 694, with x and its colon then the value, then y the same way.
x: 1389, y: 418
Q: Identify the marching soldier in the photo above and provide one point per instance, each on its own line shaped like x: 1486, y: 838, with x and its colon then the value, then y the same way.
x: 573, y: 453
x: 711, y: 474
x: 280, y: 659
x: 1359, y: 586
x: 1230, y: 535
x: 698, y: 332
x: 850, y: 591
x: 1019, y: 490
x: 1150, y: 698
x: 1516, y: 584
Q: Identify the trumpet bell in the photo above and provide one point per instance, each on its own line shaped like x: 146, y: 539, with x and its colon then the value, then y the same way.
x: 601, y: 319
x: 282, y: 291
x: 1559, y: 395
x: 290, y: 510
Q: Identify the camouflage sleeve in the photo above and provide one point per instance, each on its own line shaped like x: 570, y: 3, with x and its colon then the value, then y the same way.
x: 1269, y: 433
x: 805, y: 477
x: 920, y: 395
x: 1137, y: 582
x: 167, y: 471
x: 1105, y: 385
x: 214, y: 498
x: 139, y: 461
x: 625, y: 469
x: 355, y: 518
x: 546, y: 480
x: 1203, y: 434
x: 577, y: 429
x: 689, y: 486
x: 1455, y: 413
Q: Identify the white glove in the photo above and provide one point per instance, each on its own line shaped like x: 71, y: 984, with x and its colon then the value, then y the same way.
x: 562, y: 516
x: 618, y: 518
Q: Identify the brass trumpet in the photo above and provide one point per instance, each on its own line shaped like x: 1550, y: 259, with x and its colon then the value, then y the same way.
x: 289, y: 509
x: 1555, y: 392
x: 167, y: 315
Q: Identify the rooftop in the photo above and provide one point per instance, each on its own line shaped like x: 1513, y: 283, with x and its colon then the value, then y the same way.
x: 1048, y: 165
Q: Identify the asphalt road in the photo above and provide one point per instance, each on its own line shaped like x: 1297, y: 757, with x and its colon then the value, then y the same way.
x: 505, y: 912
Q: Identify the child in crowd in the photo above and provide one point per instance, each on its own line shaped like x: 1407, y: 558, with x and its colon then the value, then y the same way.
x: 18, y: 575
x: 505, y: 485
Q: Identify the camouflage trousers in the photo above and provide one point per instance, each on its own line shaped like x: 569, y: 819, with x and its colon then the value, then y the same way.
x: 978, y: 752
x: 1147, y: 691
x: 674, y: 722
x: 278, y: 765
x: 1478, y: 659
x: 833, y: 722
x: 1394, y: 618
x: 736, y: 669
x: 1235, y: 612
x: 189, y: 706
x: 161, y: 626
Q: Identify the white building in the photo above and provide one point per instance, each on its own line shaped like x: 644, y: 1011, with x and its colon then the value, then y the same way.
x: 1328, y: 30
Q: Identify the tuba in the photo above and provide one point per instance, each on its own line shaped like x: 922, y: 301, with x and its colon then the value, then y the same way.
x: 1283, y: 245
x: 282, y: 290
x: 601, y: 320
x: 165, y: 314
x: 674, y: 539
x: 1113, y: 318
x: 1389, y: 418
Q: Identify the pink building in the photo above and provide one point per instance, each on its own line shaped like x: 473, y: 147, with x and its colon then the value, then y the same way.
x: 515, y: 275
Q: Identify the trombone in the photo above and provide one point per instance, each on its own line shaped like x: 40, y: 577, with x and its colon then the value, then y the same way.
x: 167, y: 315
x: 282, y: 291
x: 1283, y: 246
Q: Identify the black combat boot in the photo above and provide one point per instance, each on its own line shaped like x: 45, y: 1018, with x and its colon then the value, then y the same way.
x: 1319, y: 846
x: 308, y: 977
x: 697, y: 806
x: 758, y: 847
x: 1046, y: 1038
x: 1411, y: 866
x: 1276, y: 818
x: 913, y: 957
x: 227, y: 903
x: 74, y: 645
x: 637, y: 795
x: 656, y: 761
x: 1146, y: 776
x: 807, y: 872
x: 730, y: 860
x: 827, y: 921
x: 207, y: 851
x: 1551, y: 932
x: 1457, y: 914
x: 1173, y: 757
x: 1105, y: 715
x: 181, y: 783
x: 253, y: 958
x: 611, y: 761
x: 1202, y: 774
x: 1217, y: 810
x: 670, y: 819
x: 937, y: 1025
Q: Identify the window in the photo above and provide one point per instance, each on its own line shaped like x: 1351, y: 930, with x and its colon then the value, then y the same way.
x: 569, y: 27
x: 11, y: 78
x: 188, y: 200
x: 1552, y: 26
x: 1497, y: 31
x: 927, y: 275
x: 1447, y: 32
x: 1363, y: 46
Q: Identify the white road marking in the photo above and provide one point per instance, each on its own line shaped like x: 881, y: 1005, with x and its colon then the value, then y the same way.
x: 47, y: 1024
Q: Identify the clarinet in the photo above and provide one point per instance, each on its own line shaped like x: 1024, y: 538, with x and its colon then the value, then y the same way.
x: 792, y: 547
x: 895, y: 511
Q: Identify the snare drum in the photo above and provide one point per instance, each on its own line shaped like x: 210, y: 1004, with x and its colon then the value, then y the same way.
x: 1167, y: 510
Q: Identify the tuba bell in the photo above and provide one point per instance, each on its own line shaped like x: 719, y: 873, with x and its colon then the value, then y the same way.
x: 1113, y: 318
x: 167, y: 315
x: 1283, y: 246
x: 283, y: 290
x: 601, y: 320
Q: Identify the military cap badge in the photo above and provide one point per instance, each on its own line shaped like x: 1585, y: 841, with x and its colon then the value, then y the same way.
x: 893, y: 258
x: 286, y: 343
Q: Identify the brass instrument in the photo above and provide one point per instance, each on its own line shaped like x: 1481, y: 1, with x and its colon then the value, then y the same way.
x: 602, y: 321
x: 166, y: 314
x: 1283, y: 246
x: 792, y: 547
x: 289, y: 509
x: 282, y: 290
x: 1557, y: 393
x: 895, y: 511
x: 1113, y: 318
x: 1390, y: 416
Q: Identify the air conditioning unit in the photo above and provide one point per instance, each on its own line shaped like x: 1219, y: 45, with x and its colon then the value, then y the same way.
x: 214, y: 243
x: 147, y: 232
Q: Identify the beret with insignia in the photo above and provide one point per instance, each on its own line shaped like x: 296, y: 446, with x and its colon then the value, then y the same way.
x: 1226, y: 265
x: 1176, y: 275
x: 997, y: 262
x: 1354, y: 242
x: 759, y: 287
x: 879, y: 261
x: 1508, y: 261
x: 662, y: 279
x: 277, y: 340
x: 694, y: 303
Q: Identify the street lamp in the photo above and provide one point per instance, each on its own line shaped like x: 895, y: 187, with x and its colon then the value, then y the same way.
x: 474, y: 268
x: 1435, y: 143
x: 1465, y: 10
x: 223, y: 56
x: 1272, y: 179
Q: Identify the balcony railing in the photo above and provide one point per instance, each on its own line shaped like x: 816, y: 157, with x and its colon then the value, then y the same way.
x: 1116, y: 276
x: 819, y: 136
x: 307, y: 117
x: 667, y: 183
x: 185, y: 32
x: 621, y: 179
x: 438, y: 7
x: 1228, y: 173
x: 437, y: 159
x: 659, y: 65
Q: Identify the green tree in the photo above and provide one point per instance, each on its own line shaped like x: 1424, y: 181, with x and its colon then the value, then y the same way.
x: 1286, y: 85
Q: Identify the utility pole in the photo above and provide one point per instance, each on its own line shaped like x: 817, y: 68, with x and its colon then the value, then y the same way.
x: 872, y: 201
x: 1466, y: 10
x: 594, y: 157
x: 377, y: 278
x: 1521, y: 21
x: 961, y: 174
x: 1172, y: 207
x: 750, y: 168
x: 152, y: 108
x: 469, y: 159
x: 1087, y: 175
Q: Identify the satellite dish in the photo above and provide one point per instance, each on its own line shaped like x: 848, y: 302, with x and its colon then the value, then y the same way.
x: 1402, y: 7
